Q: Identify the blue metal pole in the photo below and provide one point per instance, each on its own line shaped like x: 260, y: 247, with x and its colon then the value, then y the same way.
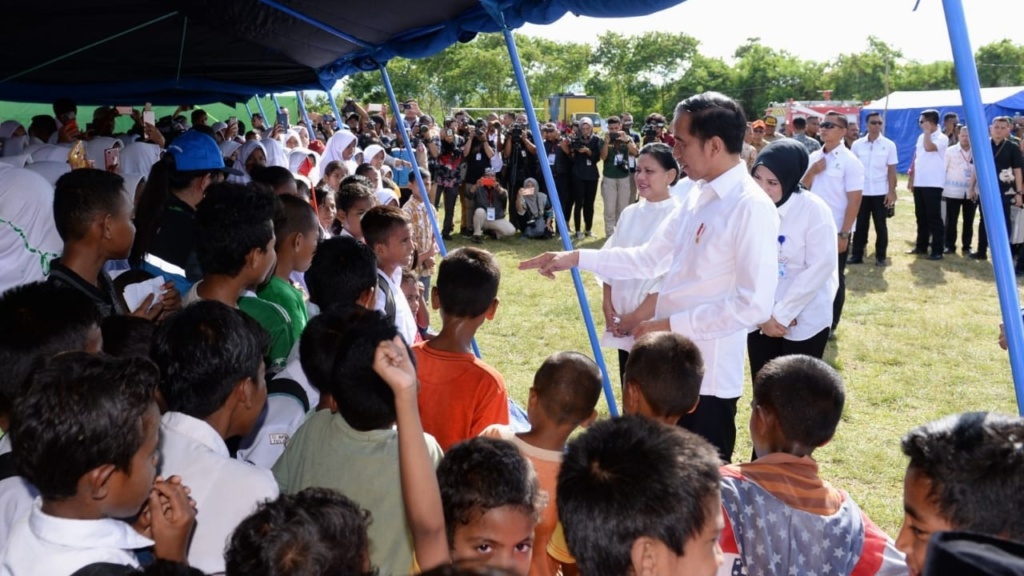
x: 249, y: 112
x: 302, y: 109
x: 266, y: 121
x: 549, y: 179
x: 416, y: 172
x: 991, y: 198
x: 337, y: 115
x: 277, y: 106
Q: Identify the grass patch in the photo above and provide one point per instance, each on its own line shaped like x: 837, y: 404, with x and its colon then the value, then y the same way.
x: 917, y: 341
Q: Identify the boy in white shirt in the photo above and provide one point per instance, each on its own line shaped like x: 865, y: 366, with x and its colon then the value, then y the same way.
x: 85, y: 433
x: 212, y: 380
x: 388, y: 232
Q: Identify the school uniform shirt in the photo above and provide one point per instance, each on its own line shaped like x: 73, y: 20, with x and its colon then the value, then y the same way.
x: 225, y: 490
x: 328, y: 453
x: 16, y: 496
x: 283, y: 416
x: 808, y: 270
x: 636, y: 226
x: 44, y: 544
x: 718, y: 258
x: 290, y: 298
x: 959, y: 170
x: 930, y: 167
x: 876, y: 156
x: 103, y: 296
x: 843, y: 174
x: 404, y: 320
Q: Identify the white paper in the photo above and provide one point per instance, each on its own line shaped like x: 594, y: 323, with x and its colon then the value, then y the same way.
x: 136, y: 294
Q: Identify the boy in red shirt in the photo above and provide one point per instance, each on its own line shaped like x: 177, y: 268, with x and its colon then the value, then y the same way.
x: 460, y: 395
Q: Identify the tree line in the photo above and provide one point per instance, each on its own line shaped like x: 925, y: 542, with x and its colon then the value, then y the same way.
x: 652, y: 71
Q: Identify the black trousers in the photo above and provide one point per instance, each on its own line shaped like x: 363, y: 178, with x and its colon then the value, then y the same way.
x: 584, y: 193
x: 953, y: 208
x: 982, y: 233
x: 872, y: 208
x: 450, y: 195
x: 840, y: 299
x: 928, y: 213
x: 563, y: 182
x: 763, y: 349
x: 715, y: 420
x: 623, y: 357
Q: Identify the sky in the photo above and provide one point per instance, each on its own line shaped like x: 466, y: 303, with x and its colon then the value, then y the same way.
x: 810, y: 29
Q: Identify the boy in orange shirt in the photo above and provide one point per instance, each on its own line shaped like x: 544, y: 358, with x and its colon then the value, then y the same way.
x: 565, y: 391
x: 460, y: 395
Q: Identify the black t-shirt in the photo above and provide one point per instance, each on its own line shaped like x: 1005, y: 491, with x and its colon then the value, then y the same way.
x: 478, y: 161
x: 563, y: 162
x: 103, y: 296
x: 585, y: 167
x: 1007, y: 156
x: 175, y: 240
x: 520, y: 164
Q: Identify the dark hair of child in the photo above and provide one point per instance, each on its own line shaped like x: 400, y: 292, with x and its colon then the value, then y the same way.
x: 294, y: 216
x: 976, y: 466
x: 203, y: 351
x: 158, y: 567
x: 233, y: 220
x: 467, y: 282
x: 568, y: 386
x: 127, y: 336
x: 380, y: 222
x: 352, y: 189
x: 631, y: 477
x: 668, y: 370
x: 481, y: 474
x: 322, y: 194
x: 805, y: 394
x: 364, y: 169
x: 317, y: 531
x: 81, y: 196
x: 80, y: 411
x: 343, y: 269
x: 38, y: 320
x: 273, y: 176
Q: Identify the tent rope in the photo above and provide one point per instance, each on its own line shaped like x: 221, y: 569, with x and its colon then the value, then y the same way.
x: 181, y: 53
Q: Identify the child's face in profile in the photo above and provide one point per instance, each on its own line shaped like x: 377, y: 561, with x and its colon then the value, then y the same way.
x: 129, y: 489
x: 702, y: 554
x: 411, y: 290
x: 305, y: 249
x: 399, y: 248
x: 352, y: 220
x: 498, y: 538
x: 121, y: 227
x: 921, y: 518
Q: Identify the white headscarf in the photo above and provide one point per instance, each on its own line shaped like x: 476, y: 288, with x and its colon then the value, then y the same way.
x: 276, y: 155
x: 228, y: 147
x: 139, y: 158
x: 131, y: 184
x: 28, y: 236
x: 54, y: 152
x: 292, y: 133
x: 303, y: 136
x: 94, y: 149
x: 19, y: 161
x: 337, y: 144
x: 13, y: 145
x: 8, y: 127
x: 50, y: 170
x: 371, y: 152
x: 243, y: 154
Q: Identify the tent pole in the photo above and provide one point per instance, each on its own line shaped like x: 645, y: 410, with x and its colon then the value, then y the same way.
x: 416, y: 171
x: 337, y: 115
x: 266, y: 121
x: 549, y: 179
x: 277, y: 106
x: 302, y: 109
x: 249, y: 112
x: 1002, y: 261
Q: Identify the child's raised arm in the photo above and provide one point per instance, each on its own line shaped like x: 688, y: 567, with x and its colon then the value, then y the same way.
x: 420, y: 491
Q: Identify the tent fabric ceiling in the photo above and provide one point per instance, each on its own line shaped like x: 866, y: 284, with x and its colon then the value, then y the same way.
x: 193, y: 51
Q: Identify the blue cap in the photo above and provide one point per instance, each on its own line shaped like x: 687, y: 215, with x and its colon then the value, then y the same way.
x: 195, y: 152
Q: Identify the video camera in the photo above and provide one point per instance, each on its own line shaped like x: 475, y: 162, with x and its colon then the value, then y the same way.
x: 653, y: 129
x: 481, y: 128
x: 516, y: 131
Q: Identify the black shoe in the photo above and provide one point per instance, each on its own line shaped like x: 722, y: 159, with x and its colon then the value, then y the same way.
x: 966, y: 250
x: 467, y: 232
x: 478, y: 239
x: 881, y: 262
x: 977, y: 256
x: 446, y: 236
x: 935, y: 256
x: 949, y: 251
x: 916, y: 251
x: 855, y: 260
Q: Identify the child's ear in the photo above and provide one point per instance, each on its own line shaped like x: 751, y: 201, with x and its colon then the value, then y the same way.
x: 106, y: 226
x: 368, y: 299
x: 642, y: 556
x: 492, y: 309
x: 695, y: 404
x: 590, y: 420
x: 435, y: 300
x: 531, y: 403
x: 245, y: 392
x: 97, y: 481
x: 630, y: 398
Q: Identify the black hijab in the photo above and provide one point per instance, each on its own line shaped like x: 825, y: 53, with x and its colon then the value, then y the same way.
x: 787, y: 159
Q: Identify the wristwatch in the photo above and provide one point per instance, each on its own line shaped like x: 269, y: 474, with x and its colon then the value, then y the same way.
x: 844, y: 235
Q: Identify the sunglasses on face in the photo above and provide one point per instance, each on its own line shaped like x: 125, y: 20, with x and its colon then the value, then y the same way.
x: 826, y: 125
x: 759, y: 130
x: 875, y: 122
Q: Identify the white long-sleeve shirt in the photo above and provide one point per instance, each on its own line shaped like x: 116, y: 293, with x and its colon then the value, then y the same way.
x: 808, y: 270
x: 717, y: 253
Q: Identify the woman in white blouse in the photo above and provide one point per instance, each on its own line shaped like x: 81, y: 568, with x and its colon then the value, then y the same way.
x: 627, y: 303
x: 808, y: 271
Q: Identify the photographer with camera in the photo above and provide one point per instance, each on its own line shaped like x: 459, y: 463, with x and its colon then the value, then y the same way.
x: 616, y: 151
x: 489, y: 208
x: 586, y: 151
x: 447, y: 149
x: 476, y: 153
x: 520, y: 154
x: 654, y: 130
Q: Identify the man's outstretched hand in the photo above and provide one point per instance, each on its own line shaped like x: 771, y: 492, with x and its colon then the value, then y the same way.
x: 550, y: 262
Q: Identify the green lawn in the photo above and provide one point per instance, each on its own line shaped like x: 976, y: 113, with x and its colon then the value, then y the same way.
x: 917, y: 341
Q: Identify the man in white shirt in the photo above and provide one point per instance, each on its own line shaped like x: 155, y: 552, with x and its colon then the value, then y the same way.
x: 717, y: 253
x: 837, y: 177
x: 878, y: 155
x: 212, y: 379
x: 927, y: 177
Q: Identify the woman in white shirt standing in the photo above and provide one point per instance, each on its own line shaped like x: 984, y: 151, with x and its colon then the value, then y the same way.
x: 808, y: 270
x: 627, y: 303
x: 959, y: 192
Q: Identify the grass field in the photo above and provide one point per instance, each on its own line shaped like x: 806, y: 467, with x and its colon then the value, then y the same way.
x: 917, y: 341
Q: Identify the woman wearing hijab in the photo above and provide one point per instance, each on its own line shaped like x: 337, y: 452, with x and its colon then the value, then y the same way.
x: 28, y: 235
x: 276, y: 153
x: 139, y: 158
x: 250, y: 155
x: 808, y: 271
x: 14, y: 138
x: 341, y: 147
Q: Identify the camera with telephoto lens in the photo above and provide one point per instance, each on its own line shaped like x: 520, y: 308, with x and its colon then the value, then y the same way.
x: 651, y: 130
x: 516, y: 131
x: 613, y: 136
x: 481, y: 128
x: 578, y: 143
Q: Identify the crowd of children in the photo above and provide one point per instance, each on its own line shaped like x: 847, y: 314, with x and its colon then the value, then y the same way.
x: 289, y: 412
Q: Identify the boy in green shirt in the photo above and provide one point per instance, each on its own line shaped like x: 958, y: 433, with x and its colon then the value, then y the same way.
x: 296, y: 228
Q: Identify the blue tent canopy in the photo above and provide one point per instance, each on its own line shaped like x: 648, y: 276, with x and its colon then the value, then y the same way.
x: 191, y: 51
x: 904, y: 109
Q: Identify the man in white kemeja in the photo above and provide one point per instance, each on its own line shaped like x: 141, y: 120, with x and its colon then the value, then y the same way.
x: 878, y: 155
x: 716, y: 252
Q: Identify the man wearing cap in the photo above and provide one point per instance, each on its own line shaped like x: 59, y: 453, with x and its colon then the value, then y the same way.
x: 757, y: 130
x: 770, y: 123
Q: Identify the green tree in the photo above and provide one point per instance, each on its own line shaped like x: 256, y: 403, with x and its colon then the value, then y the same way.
x: 863, y: 75
x: 638, y: 73
x: 931, y: 76
x: 763, y: 75
x: 1000, y: 64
